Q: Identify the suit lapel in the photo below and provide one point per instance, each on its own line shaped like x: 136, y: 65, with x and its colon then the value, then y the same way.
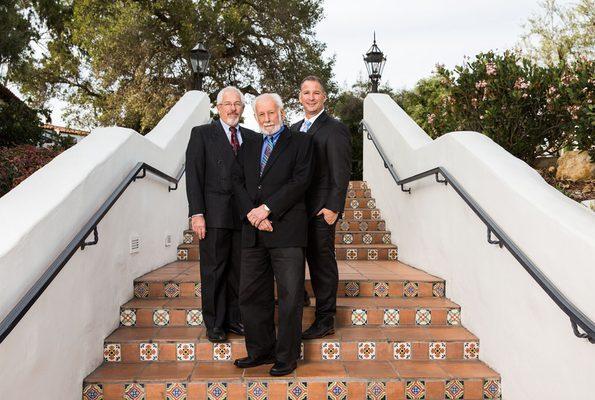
x: 281, y: 144
x: 223, y: 143
x: 318, y: 123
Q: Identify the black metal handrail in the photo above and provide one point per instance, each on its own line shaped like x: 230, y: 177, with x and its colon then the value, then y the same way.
x: 79, y: 241
x: 577, y: 317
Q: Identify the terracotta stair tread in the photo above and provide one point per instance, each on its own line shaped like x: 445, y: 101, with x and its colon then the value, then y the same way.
x: 346, y: 334
x: 350, y: 302
x: 365, y: 246
x: 307, y: 370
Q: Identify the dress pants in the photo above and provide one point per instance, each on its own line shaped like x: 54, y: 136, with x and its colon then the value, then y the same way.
x: 261, y: 267
x: 324, y: 273
x: 220, y: 253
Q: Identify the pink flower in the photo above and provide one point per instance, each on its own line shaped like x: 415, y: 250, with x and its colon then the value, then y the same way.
x: 480, y: 84
x: 573, y: 111
x: 521, y: 84
x: 474, y: 102
x: 431, y: 118
x: 491, y: 68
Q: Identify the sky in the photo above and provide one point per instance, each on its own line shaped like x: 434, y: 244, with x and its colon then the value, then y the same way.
x: 414, y: 35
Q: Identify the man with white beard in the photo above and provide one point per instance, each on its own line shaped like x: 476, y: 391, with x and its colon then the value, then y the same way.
x: 270, y: 180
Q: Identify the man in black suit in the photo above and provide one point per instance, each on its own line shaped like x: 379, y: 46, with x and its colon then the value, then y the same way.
x: 270, y: 182
x: 211, y: 152
x: 325, y: 200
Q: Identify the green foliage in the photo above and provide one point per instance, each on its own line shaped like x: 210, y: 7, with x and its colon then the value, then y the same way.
x: 349, y: 108
x: 15, y: 33
x: 127, y: 62
x: 528, y: 109
x: 18, y: 123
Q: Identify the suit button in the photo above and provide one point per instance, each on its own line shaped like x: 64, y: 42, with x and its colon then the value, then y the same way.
x: 259, y: 187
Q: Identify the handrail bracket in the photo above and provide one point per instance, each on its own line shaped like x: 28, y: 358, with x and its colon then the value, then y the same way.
x: 492, y: 241
x: 445, y: 181
x: 94, y: 241
x: 405, y: 190
x: 143, y: 173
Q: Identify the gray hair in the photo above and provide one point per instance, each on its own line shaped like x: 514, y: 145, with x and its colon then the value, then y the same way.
x: 274, y: 96
x: 227, y: 89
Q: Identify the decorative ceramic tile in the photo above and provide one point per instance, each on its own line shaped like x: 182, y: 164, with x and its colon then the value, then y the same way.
x: 350, y: 194
x: 437, y: 351
x: 350, y: 185
x: 352, y: 289
x: 392, y: 254
x: 492, y: 389
x: 128, y: 317
x: 358, y: 215
x: 344, y: 225
x: 371, y: 203
x: 376, y: 391
x: 336, y: 391
x: 372, y: 254
x: 176, y: 391
x: 194, y: 317
x: 354, y: 203
x: 410, y: 289
x: 149, y: 351
x: 188, y: 238
x: 367, y: 238
x: 402, y: 350
x: 453, y: 317
x: 391, y: 317
x: 471, y: 350
x: 182, y: 254
x: 423, y: 317
x: 348, y: 238
x: 112, y: 352
x: 197, y: 289
x: 367, y: 193
x: 438, y: 289
x: 161, y: 317
x: 386, y: 238
x: 454, y: 389
x: 363, y: 226
x: 297, y: 390
x: 171, y: 289
x: 330, y: 350
x: 364, y: 185
x: 93, y: 391
x: 221, y: 351
x: 415, y: 390
x: 352, y: 254
x: 380, y: 289
x: 217, y: 390
x: 375, y: 214
x: 381, y: 226
x: 359, y: 317
x: 366, y: 351
x: 134, y: 391
x: 185, y: 351
x: 257, y: 390
x: 141, y: 289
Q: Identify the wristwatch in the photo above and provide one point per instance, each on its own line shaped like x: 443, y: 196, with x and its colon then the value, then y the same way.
x: 266, y: 208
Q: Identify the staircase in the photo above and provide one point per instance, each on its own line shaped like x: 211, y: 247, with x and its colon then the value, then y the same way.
x: 397, y: 336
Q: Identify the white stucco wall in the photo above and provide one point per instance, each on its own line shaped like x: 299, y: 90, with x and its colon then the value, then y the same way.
x: 523, y: 333
x: 60, y: 339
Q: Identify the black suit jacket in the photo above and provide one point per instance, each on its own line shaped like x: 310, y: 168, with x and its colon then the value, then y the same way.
x: 281, y: 187
x: 209, y: 160
x: 332, y: 164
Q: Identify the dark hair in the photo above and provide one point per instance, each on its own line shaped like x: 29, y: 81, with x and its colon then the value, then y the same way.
x: 315, y: 79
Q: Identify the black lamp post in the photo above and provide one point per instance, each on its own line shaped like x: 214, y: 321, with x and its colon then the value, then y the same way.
x: 199, y: 57
x: 374, y: 60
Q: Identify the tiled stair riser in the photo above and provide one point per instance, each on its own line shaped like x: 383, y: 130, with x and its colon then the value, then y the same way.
x: 306, y: 388
x: 345, y: 288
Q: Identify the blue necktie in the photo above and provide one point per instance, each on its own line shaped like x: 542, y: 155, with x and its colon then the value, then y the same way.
x: 305, y: 126
x: 267, y: 152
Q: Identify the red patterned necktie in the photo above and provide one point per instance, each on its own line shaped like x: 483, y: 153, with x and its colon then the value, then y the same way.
x: 235, y: 144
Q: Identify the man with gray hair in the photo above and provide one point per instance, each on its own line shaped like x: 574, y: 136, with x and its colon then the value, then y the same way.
x: 211, y: 152
x: 270, y: 180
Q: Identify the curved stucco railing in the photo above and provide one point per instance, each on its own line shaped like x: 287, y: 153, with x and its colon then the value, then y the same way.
x: 59, y: 340
x: 523, y: 333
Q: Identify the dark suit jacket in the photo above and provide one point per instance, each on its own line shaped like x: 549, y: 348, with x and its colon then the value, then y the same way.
x: 209, y: 160
x: 332, y: 164
x: 281, y: 187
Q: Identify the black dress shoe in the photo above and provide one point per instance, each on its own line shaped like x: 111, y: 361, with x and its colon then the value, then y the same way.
x: 216, y: 335
x: 235, y: 327
x: 281, y: 368
x: 317, y: 331
x: 249, y: 362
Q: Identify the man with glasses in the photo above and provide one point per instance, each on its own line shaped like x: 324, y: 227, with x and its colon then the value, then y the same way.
x: 211, y: 152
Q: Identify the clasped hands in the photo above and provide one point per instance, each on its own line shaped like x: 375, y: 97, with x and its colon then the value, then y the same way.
x: 258, y: 217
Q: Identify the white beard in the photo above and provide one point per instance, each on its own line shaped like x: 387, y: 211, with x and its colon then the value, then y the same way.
x: 271, y: 130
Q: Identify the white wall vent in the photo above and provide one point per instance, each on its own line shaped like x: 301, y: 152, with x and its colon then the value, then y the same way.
x: 167, y: 240
x: 134, y: 244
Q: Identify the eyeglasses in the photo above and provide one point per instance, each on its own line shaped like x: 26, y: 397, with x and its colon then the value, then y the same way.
x: 227, y: 104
